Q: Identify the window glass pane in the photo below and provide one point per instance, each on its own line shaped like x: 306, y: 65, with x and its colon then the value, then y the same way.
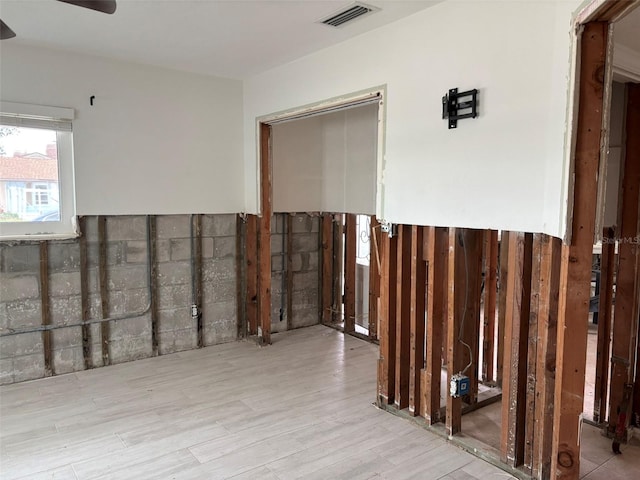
x: 29, y: 190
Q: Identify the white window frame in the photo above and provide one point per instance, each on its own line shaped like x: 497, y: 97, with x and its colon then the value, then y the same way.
x: 60, y: 120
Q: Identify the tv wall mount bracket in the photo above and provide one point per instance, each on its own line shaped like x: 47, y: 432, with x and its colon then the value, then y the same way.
x: 456, y: 106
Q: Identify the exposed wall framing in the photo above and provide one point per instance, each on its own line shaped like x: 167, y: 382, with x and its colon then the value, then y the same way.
x: 575, y: 278
x: 627, y: 309
x: 264, y: 238
x: 350, y: 247
x: 542, y: 297
x: 374, y: 278
x: 45, y: 308
x: 605, y: 309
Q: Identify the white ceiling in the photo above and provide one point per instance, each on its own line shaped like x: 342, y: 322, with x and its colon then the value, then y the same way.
x: 233, y: 38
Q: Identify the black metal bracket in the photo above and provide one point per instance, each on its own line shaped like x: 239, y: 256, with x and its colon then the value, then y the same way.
x: 453, y: 103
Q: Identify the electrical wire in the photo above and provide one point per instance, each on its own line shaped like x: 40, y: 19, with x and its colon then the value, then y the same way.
x: 466, y: 298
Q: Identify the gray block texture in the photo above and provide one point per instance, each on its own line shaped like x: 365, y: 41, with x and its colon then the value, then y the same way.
x: 304, y: 264
x: 127, y: 294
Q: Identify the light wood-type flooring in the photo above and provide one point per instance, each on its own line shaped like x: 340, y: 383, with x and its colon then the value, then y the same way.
x: 300, y: 408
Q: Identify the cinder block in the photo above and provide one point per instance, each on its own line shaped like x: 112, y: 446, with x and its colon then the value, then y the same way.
x: 174, y: 273
x: 304, y: 317
x: 163, y: 251
x: 20, y: 345
x: 123, y: 331
x: 95, y: 306
x: 25, y: 313
x: 304, y: 224
x: 90, y: 228
x: 4, y: 318
x: 277, y: 263
x: 278, y: 222
x: 130, y: 349
x: 66, y: 310
x: 115, y: 303
x: 6, y: 371
x: 222, y: 330
x: 207, y: 247
x: 135, y: 300
x: 136, y: 251
x: 67, y: 360
x: 166, y: 343
x: 219, y: 269
x: 177, y: 340
x: 306, y: 299
x: 277, y: 283
x: 115, y: 253
x: 221, y: 225
x: 276, y: 244
x: 172, y: 296
x: 304, y: 261
x: 175, y: 319
x: 277, y: 325
x: 64, y: 284
x: 124, y: 277
x: 64, y: 257
x: 213, y: 313
x: 207, y: 225
x: 20, y: 258
x: 185, y: 339
x: 305, y: 281
x: 96, y: 345
x: 173, y: 226
x: 224, y: 291
x: 224, y: 247
x: 18, y: 287
x: 306, y: 242
x: 66, y: 337
x: 28, y: 367
x: 180, y: 249
x: 92, y: 280
x: 126, y: 227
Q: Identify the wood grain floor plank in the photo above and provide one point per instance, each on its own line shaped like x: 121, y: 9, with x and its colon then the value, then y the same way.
x: 300, y: 408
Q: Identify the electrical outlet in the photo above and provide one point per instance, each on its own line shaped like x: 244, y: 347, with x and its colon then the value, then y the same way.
x: 388, y: 228
x: 459, y: 385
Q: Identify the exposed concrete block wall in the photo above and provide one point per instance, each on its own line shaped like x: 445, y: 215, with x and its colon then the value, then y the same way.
x: 305, y: 261
x: 22, y: 356
x: 219, y: 279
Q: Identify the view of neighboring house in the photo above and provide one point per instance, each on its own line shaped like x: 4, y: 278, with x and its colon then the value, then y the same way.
x: 28, y: 185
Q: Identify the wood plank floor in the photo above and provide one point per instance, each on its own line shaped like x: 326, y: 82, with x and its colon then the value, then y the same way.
x: 300, y: 408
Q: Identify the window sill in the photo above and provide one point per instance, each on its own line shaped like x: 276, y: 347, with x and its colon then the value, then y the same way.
x: 39, y: 237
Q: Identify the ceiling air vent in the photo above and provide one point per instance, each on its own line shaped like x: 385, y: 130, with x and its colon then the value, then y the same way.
x: 353, y: 11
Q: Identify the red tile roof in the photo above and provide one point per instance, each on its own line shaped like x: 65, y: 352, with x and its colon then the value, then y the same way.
x: 21, y: 168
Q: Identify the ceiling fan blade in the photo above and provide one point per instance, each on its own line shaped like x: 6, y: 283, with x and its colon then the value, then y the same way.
x: 5, y: 31
x: 104, y: 6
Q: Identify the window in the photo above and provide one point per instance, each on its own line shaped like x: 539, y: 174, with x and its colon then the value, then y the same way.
x: 36, y: 172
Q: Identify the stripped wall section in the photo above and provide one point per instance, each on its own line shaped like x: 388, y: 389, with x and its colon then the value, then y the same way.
x: 125, y: 293
x: 295, y: 254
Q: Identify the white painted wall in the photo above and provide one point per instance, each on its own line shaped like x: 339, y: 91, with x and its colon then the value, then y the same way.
x: 156, y: 141
x: 326, y: 163
x: 505, y: 169
x: 616, y: 149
